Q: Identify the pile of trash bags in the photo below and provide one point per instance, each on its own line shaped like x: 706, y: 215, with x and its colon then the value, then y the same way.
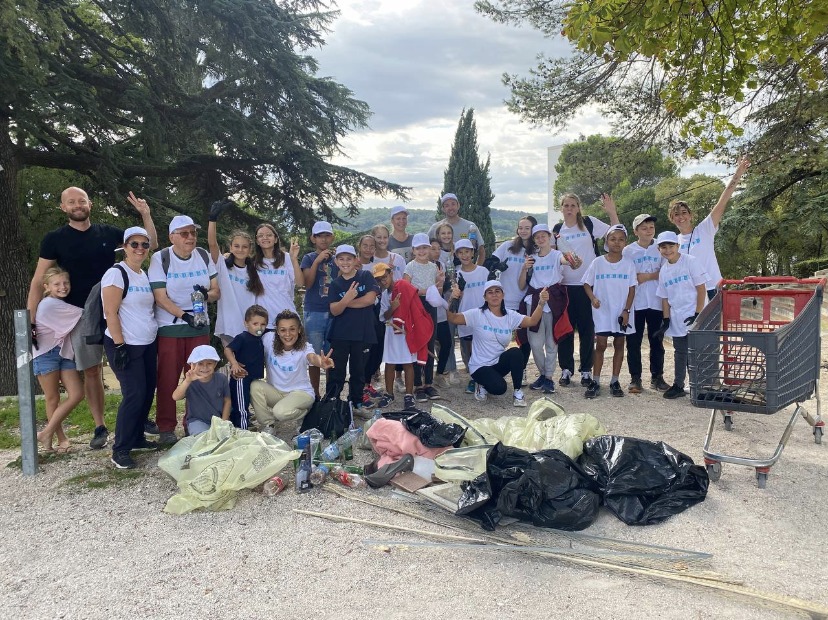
x: 641, y: 482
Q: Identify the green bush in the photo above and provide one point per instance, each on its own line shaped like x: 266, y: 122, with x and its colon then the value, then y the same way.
x: 807, y: 268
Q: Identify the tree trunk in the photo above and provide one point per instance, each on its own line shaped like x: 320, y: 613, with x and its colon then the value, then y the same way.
x: 14, y: 272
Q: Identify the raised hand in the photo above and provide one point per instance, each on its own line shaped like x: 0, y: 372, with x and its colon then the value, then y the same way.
x: 190, y: 375
x: 139, y: 203
x: 608, y: 204
x: 325, y: 360
x: 219, y: 207
x: 294, y: 247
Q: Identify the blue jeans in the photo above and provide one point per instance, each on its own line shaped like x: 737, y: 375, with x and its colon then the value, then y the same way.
x: 316, y: 330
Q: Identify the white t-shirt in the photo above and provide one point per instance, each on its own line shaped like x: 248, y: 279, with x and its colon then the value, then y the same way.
x: 472, y: 293
x: 234, y: 301
x: 287, y: 372
x: 279, y: 285
x: 396, y: 261
x: 546, y: 272
x: 179, y: 281
x: 646, y: 260
x: 700, y: 244
x: 581, y: 244
x: 136, y: 311
x: 492, y: 335
x: 677, y: 284
x: 512, y: 293
x: 611, y: 284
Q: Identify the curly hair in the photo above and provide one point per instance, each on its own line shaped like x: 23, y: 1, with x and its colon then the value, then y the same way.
x: 301, y: 341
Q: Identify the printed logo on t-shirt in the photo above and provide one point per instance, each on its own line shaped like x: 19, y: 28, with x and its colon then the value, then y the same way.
x: 688, y: 246
x: 496, y: 330
x: 545, y: 267
x: 273, y: 272
x: 676, y: 280
x: 235, y: 278
x: 138, y: 289
x: 360, y: 289
x: 570, y: 237
x: 283, y: 367
x: 647, y: 259
x: 198, y: 273
x: 612, y: 276
x: 474, y: 284
x: 515, y: 259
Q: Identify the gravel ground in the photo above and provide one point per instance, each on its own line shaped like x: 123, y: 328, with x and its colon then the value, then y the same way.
x: 73, y: 552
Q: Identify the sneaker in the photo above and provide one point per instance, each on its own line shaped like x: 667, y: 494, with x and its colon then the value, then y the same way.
x: 99, y: 439
x: 635, y: 385
x: 385, y: 400
x: 592, y: 389
x: 586, y: 379
x: 538, y: 384
x: 122, y: 460
x: 399, y: 385
x: 363, y: 412
x: 470, y: 387
x: 480, y: 393
x: 371, y: 391
x: 442, y: 381
x: 420, y: 395
x: 367, y: 401
x: 150, y: 428
x: 167, y: 438
x: 409, y: 402
x: 566, y: 378
x: 549, y: 386
x: 520, y: 399
x: 674, y: 392
x: 658, y: 383
x: 615, y: 389
x: 146, y: 445
x: 432, y: 393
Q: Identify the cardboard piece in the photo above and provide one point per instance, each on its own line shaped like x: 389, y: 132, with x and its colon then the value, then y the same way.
x: 409, y: 481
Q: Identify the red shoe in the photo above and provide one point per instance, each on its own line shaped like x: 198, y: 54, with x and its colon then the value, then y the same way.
x: 371, y: 391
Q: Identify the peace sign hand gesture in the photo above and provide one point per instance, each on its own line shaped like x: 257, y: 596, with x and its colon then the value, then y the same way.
x: 139, y: 203
x: 325, y: 360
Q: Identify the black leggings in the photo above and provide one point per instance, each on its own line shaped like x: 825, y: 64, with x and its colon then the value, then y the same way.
x: 492, y: 377
x: 446, y: 342
x: 579, y: 311
x: 350, y: 354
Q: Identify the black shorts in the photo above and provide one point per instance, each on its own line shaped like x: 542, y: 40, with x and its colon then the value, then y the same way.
x: 608, y: 334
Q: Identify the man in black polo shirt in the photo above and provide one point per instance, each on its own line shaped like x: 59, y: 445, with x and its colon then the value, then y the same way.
x: 86, y: 251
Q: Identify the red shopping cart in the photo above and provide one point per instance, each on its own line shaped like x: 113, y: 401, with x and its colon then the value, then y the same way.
x: 755, y: 348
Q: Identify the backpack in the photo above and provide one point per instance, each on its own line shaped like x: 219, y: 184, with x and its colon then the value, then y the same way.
x: 556, y: 229
x: 93, y: 310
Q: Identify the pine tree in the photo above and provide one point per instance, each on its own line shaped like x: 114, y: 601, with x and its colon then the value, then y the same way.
x: 469, y: 179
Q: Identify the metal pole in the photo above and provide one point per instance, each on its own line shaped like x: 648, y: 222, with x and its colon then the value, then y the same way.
x: 25, y: 391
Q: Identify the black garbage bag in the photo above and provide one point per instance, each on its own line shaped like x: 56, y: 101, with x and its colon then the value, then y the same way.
x: 643, y: 482
x: 433, y: 433
x: 546, y: 488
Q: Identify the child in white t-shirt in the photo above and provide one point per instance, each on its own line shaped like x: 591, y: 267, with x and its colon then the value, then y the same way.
x: 471, y: 279
x: 610, y: 283
x: 422, y: 273
x: 681, y: 287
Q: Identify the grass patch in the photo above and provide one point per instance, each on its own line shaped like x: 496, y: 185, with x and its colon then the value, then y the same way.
x: 103, y: 478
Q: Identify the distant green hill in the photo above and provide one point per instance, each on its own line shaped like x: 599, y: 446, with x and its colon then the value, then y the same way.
x: 420, y: 220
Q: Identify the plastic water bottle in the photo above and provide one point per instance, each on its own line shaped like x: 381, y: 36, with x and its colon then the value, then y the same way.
x: 319, y: 474
x: 364, y: 443
x: 273, y: 487
x: 337, y: 448
x: 353, y: 481
x: 303, y: 473
x: 566, y: 248
x: 473, y: 237
x: 199, y: 310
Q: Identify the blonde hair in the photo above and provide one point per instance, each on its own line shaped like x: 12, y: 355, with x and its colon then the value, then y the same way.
x: 380, y: 227
x: 578, y: 215
x: 51, y: 272
x: 437, y: 235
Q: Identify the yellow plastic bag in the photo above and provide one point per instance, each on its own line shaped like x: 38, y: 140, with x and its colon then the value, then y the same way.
x: 212, y: 467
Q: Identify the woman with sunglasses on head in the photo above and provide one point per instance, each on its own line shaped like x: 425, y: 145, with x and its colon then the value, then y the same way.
x: 278, y: 270
x: 129, y: 341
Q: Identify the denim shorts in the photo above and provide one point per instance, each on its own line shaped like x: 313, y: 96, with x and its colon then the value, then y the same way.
x: 316, y: 329
x: 51, y: 361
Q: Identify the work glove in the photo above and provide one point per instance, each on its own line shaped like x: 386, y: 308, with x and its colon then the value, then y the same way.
x: 219, y: 207
x: 665, y: 325
x: 34, y: 335
x: 622, y: 323
x: 189, y: 319
x: 121, y: 357
x: 691, y: 319
x: 200, y: 289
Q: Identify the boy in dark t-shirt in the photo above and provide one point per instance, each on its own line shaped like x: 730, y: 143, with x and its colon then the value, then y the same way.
x: 352, y: 329
x: 207, y: 392
x: 245, y: 355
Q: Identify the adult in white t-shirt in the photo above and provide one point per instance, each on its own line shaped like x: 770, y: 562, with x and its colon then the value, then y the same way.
x: 574, y: 236
x: 178, y: 333
x: 699, y: 240
x: 492, y: 327
x: 287, y: 394
x: 129, y: 341
x: 278, y: 271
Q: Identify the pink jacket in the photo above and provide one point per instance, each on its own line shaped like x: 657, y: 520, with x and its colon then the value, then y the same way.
x: 392, y: 442
x: 55, y: 320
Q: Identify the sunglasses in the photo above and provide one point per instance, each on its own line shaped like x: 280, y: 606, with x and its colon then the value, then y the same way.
x: 136, y: 244
x: 187, y: 233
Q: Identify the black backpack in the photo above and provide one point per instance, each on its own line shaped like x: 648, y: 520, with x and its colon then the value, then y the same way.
x: 556, y: 229
x: 93, y: 308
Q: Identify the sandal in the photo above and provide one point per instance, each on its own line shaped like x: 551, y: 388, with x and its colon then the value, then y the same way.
x: 63, y: 449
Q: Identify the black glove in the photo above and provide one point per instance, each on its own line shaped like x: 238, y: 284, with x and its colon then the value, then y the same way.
x: 665, y: 325
x: 121, y: 357
x: 624, y: 327
x: 34, y: 335
x: 200, y: 289
x: 219, y: 207
x: 461, y: 281
x: 691, y: 319
x: 189, y: 319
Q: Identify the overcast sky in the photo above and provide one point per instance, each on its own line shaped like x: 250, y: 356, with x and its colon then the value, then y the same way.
x: 418, y: 63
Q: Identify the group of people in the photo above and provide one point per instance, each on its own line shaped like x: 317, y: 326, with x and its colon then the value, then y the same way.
x: 394, y: 298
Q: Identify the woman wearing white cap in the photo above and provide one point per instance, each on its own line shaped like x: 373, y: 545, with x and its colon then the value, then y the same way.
x: 129, y: 341
x: 492, y: 326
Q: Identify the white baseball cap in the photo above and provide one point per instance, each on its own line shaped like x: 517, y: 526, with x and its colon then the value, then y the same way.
x: 321, y: 227
x: 541, y: 228
x: 612, y: 229
x: 667, y: 236
x: 492, y: 284
x: 345, y: 249
x: 419, y: 240
x: 182, y: 221
x: 463, y: 243
x: 133, y: 231
x: 644, y: 217
x: 398, y: 209
x: 445, y: 197
x: 203, y: 352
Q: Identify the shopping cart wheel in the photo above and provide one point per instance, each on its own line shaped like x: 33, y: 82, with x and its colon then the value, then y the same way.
x: 728, y: 420
x: 818, y: 434
x: 714, y: 471
x: 761, y: 479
